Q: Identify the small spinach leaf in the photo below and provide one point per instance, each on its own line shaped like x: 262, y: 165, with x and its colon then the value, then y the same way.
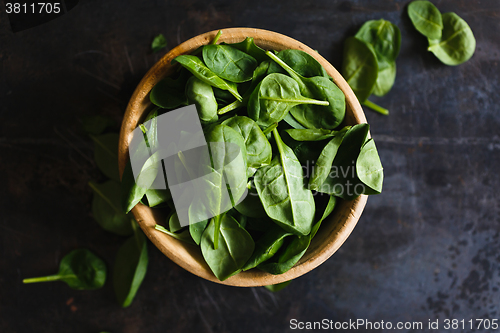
x: 159, y: 42
x: 426, y: 18
x: 457, y: 43
x: 130, y: 267
x: 80, y: 269
x: 369, y: 168
x: 201, y: 94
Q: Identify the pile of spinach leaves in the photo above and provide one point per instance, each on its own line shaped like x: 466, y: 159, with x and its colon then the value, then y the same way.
x: 286, y: 114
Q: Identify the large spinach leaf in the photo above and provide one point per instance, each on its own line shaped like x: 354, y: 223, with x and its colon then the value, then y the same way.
x: 426, y: 18
x: 229, y: 63
x: 234, y: 247
x: 281, y: 189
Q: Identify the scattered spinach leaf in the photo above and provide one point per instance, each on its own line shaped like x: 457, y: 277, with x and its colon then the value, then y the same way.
x: 159, y: 42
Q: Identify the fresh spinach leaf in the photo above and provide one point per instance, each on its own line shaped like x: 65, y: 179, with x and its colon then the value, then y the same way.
x: 323, y: 165
x: 107, y: 208
x: 106, y: 154
x: 229, y: 63
x: 327, y: 116
x: 267, y: 246
x: 170, y: 93
x: 130, y: 267
x: 159, y: 42
x: 251, y: 206
x: 426, y: 18
x: 275, y: 95
x: 80, y: 269
x: 235, y: 246
x: 202, y: 72
x: 201, y: 94
x: 314, y: 134
x: 281, y: 189
x: 457, y: 43
x: 302, y: 63
x: 183, y: 236
x: 157, y: 197
x: 257, y: 146
x: 369, y: 168
x: 360, y: 67
x: 248, y: 46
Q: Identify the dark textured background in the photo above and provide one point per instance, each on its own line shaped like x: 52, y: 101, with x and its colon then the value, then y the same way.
x: 427, y: 248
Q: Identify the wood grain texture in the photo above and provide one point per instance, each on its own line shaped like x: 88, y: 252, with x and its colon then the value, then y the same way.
x: 334, y: 230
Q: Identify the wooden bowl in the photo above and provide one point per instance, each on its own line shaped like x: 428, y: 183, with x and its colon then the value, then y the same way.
x: 333, y: 232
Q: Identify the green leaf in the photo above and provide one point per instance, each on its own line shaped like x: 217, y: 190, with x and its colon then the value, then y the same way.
x: 229, y: 63
x: 80, y: 269
x: 327, y: 115
x: 324, y: 162
x: 107, y: 208
x: 426, y: 18
x: 106, y: 154
x: 235, y: 246
x: 201, y: 94
x: 277, y: 287
x: 251, y: 206
x: 369, y: 168
x: 281, y: 189
x: 314, y: 134
x: 385, y: 38
x: 257, y: 146
x: 457, y: 43
x: 302, y: 63
x: 275, y: 95
x: 202, y: 72
x: 287, y: 257
x: 248, y: 46
x: 360, y: 67
x: 159, y: 42
x: 267, y: 246
x: 170, y: 93
x: 131, y: 264
x: 385, y: 80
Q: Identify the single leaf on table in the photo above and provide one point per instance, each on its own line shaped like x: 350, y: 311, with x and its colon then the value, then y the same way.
x: 277, y: 287
x: 360, y: 67
x: 275, y: 95
x: 202, y: 72
x: 235, y: 246
x: 80, y: 269
x: 457, y: 43
x: 248, y: 46
x: 369, y: 168
x: 426, y: 18
x: 107, y: 208
x: 106, y: 154
x: 257, y: 146
x: 96, y: 124
x: 327, y: 116
x: 202, y: 96
x: 229, y: 63
x: 130, y: 267
x: 281, y: 189
x: 385, y: 38
x: 159, y: 42
x: 170, y: 93
x: 267, y: 246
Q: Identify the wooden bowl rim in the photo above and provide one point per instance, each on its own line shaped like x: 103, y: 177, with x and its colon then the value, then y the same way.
x: 173, y: 248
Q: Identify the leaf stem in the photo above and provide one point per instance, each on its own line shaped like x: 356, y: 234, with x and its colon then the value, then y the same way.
x: 216, y: 231
x: 230, y: 107
x: 173, y: 234
x: 270, y: 128
x: 376, y: 107
x: 284, y: 65
x: 216, y: 38
x: 55, y: 277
